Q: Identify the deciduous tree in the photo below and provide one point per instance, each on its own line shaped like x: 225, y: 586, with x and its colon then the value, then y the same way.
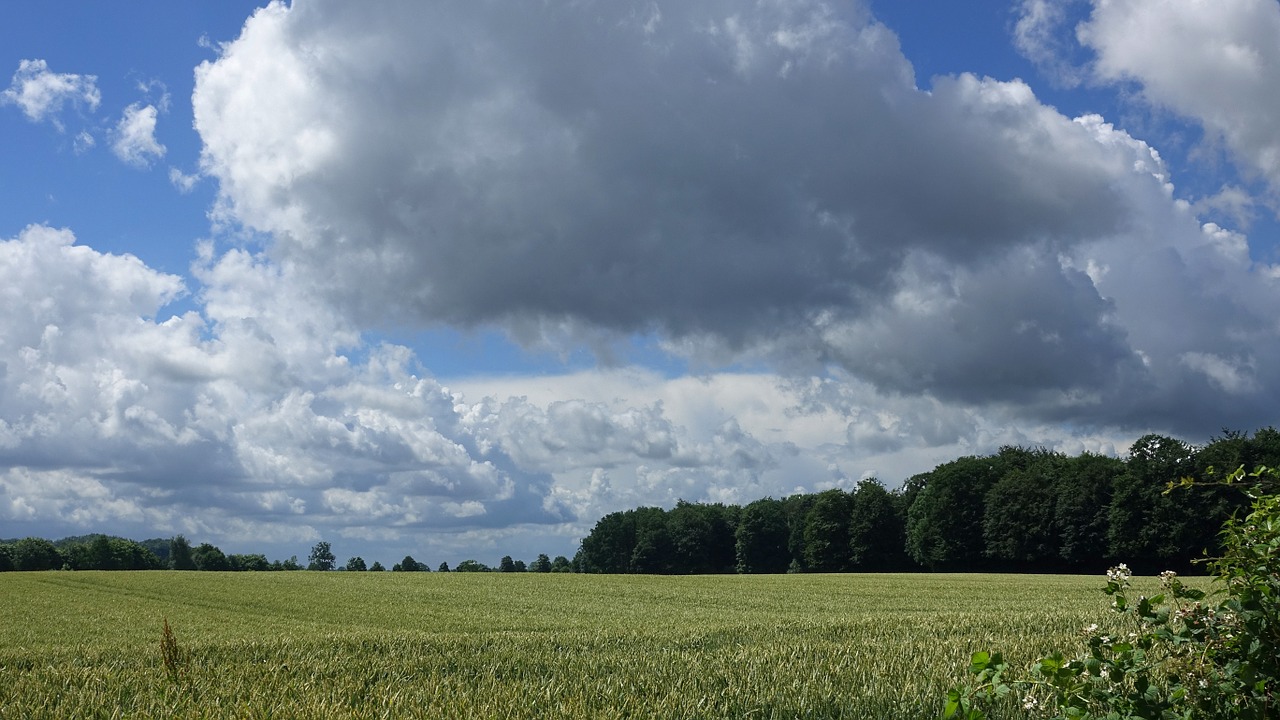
x: 877, y: 529
x: 35, y: 554
x: 208, y: 557
x: 180, y: 554
x: 321, y: 557
x: 944, y: 521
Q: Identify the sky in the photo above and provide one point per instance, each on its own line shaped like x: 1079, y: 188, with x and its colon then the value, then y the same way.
x: 456, y: 279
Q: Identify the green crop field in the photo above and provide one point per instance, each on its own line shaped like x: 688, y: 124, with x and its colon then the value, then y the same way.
x: 436, y: 645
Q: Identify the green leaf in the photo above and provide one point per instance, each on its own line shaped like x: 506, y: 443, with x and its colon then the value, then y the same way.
x: 953, y: 704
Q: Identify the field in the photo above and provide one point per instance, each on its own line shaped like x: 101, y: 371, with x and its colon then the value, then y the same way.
x: 435, y: 645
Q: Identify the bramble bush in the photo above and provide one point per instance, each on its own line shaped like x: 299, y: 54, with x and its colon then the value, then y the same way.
x: 1185, y: 654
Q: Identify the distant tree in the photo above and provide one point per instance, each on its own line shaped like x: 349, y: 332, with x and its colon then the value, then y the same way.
x: 761, y: 538
x: 321, y: 557
x: 561, y: 564
x: 180, y: 554
x: 6, y: 558
x: 1081, y: 510
x: 521, y: 567
x: 77, y: 552
x: 99, y: 554
x: 35, y: 554
x: 506, y: 564
x: 291, y: 564
x: 1234, y: 448
x: 702, y: 538
x: 159, y: 546
x: 356, y: 563
x: 944, y: 521
x: 255, y: 562
x: 209, y: 557
x: 408, y: 564
x: 826, y: 532
x: 541, y: 565
x: 796, y: 509
x: 653, y: 552
x: 471, y: 566
x: 1019, y: 527
x: 609, y: 547
x: 444, y: 567
x: 1147, y: 528
x: 130, y: 555
x: 376, y: 567
x: 877, y: 529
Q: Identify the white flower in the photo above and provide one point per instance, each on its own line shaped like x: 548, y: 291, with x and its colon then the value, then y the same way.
x: 1030, y: 702
x: 1119, y: 574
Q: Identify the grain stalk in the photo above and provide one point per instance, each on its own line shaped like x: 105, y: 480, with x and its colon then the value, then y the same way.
x: 171, y: 653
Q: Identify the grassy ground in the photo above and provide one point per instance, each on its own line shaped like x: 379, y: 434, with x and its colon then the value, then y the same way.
x: 434, y: 645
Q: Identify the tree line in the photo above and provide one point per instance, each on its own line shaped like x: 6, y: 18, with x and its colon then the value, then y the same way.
x: 106, y: 552
x: 1017, y: 510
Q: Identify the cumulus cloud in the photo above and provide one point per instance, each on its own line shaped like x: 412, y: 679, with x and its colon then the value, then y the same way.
x: 41, y: 93
x: 916, y: 273
x: 763, y: 182
x: 134, y: 139
x: 1217, y: 63
x: 249, y: 422
x: 717, y: 172
x: 236, y: 413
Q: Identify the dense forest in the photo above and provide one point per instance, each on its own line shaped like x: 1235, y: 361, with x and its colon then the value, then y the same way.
x: 1018, y: 510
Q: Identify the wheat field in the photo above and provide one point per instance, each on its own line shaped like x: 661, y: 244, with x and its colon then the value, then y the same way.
x: 515, y: 645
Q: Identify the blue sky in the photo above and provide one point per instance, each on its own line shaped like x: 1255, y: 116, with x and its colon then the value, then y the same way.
x: 457, y: 279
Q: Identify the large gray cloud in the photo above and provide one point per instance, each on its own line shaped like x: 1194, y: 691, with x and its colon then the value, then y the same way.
x: 695, y: 167
x: 764, y: 179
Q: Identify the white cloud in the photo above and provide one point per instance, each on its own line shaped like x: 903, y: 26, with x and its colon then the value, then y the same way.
x: 134, y: 139
x: 41, y: 94
x: 182, y: 181
x: 1215, y: 62
x: 916, y: 274
x: 248, y: 411
x: 1038, y: 35
x: 84, y: 142
x: 246, y: 424
x: 784, y: 193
